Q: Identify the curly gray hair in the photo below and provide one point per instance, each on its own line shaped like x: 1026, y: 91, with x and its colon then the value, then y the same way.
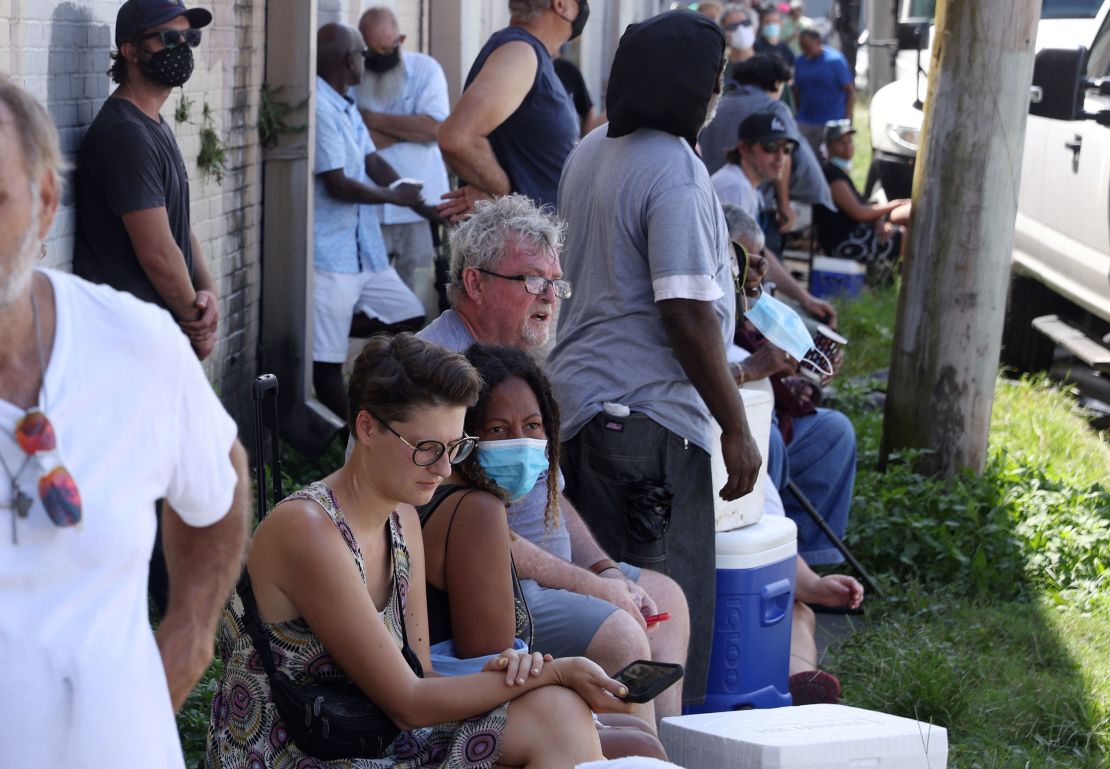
x: 480, y: 241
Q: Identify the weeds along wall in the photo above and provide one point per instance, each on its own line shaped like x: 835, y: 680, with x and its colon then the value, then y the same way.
x: 59, y: 51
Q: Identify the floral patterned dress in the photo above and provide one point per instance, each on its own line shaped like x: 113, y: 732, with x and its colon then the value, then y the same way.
x: 246, y: 731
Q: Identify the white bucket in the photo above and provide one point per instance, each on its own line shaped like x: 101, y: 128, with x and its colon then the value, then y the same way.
x: 758, y: 405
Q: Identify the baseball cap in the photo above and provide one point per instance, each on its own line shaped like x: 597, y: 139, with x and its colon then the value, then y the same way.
x: 838, y: 129
x: 764, y: 127
x: 136, y: 15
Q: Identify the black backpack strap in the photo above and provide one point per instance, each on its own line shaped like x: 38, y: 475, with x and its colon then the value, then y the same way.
x: 252, y: 624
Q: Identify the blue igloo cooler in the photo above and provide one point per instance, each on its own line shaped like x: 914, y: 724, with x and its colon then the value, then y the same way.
x: 750, y: 661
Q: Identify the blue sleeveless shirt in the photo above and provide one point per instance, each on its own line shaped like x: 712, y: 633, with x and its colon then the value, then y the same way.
x: 532, y: 144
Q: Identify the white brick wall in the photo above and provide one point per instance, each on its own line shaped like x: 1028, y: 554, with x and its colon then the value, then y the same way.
x: 59, y: 51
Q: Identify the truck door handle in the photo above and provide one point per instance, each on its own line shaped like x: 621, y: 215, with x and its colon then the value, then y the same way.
x: 1076, y: 146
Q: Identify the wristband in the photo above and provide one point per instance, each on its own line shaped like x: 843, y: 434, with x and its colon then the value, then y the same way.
x: 603, y: 565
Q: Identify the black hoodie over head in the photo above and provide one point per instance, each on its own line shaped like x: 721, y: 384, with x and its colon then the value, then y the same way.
x: 664, y: 73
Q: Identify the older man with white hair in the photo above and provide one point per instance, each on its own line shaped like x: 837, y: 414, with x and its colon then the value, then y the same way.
x: 104, y: 408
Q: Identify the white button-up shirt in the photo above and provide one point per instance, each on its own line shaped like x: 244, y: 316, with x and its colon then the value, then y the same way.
x: 424, y: 93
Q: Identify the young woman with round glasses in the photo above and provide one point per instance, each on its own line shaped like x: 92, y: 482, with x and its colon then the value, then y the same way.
x: 337, y: 570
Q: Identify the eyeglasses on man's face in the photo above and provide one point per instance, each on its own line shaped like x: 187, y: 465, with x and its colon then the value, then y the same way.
x: 537, y: 284
x: 428, y: 452
x: 171, y: 38
x: 773, y: 148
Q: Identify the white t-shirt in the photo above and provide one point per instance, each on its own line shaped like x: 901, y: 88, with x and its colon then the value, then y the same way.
x: 733, y: 187
x: 136, y: 420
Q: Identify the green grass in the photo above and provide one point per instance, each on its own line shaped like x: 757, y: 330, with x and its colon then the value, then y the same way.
x: 996, y: 618
x: 1017, y: 685
x: 867, y: 322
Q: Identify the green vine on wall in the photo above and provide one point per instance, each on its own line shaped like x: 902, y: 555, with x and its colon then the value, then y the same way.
x: 272, y: 113
x: 183, y: 108
x: 213, y: 152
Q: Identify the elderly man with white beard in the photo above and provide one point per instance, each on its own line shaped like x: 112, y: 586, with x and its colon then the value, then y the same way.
x: 103, y: 409
x: 403, y: 99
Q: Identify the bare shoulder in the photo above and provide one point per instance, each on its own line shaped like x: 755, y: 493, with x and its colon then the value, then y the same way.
x: 296, y: 528
x: 480, y: 519
x: 511, y: 62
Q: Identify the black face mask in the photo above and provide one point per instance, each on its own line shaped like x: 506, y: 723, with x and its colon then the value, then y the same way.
x: 171, y: 66
x: 383, y: 62
x: 579, y: 22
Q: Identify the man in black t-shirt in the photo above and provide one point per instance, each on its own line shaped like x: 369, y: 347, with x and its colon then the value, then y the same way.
x: 132, y: 191
x: 575, y: 84
x: 133, y: 230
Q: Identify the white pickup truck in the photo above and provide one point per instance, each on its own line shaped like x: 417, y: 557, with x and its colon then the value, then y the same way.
x: 1060, y: 289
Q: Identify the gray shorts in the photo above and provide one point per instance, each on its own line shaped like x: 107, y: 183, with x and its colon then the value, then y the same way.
x: 566, y: 622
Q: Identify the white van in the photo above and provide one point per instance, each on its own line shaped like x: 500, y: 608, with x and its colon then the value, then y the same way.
x: 1061, y: 268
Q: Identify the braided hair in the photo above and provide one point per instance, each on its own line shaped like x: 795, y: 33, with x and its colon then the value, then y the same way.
x: 495, y: 365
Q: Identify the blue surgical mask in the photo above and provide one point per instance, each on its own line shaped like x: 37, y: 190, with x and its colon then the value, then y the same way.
x: 514, y: 465
x: 844, y: 164
x: 781, y: 326
x: 772, y: 32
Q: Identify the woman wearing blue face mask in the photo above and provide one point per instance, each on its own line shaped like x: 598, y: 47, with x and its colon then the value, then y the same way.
x: 475, y: 605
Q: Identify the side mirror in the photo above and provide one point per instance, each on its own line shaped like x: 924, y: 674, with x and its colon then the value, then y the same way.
x: 912, y: 36
x: 1058, y: 84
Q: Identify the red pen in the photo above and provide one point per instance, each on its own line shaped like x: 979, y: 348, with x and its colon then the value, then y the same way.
x: 657, y: 618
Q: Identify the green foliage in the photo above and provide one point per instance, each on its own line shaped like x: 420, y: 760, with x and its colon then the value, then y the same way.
x: 192, y: 719
x: 1021, y: 524
x: 212, y: 159
x: 183, y: 109
x: 272, y: 114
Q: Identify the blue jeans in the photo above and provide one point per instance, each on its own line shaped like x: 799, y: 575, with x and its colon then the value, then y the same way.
x: 821, y: 460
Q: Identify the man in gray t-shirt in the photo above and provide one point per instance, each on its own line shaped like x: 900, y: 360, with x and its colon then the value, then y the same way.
x: 639, y: 364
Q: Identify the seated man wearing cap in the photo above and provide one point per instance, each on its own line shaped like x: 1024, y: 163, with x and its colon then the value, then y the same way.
x: 868, y: 233
x: 760, y: 158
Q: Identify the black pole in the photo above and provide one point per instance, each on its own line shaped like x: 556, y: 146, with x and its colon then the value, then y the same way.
x: 822, y: 524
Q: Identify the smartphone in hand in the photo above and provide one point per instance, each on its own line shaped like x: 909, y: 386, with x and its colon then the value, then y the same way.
x: 646, y: 680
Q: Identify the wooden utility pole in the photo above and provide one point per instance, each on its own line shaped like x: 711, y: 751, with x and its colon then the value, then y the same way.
x: 965, y: 190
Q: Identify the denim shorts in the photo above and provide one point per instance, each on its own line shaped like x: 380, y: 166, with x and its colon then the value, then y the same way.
x: 566, y: 622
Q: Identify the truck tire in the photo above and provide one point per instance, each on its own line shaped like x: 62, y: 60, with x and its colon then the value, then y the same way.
x: 1025, y: 349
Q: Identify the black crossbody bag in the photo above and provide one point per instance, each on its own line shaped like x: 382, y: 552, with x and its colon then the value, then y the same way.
x: 327, y: 718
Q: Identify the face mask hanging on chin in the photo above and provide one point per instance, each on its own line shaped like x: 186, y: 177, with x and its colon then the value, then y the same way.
x: 785, y: 329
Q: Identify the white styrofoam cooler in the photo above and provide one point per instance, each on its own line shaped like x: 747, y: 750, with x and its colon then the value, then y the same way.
x: 804, y: 737
x: 758, y: 404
